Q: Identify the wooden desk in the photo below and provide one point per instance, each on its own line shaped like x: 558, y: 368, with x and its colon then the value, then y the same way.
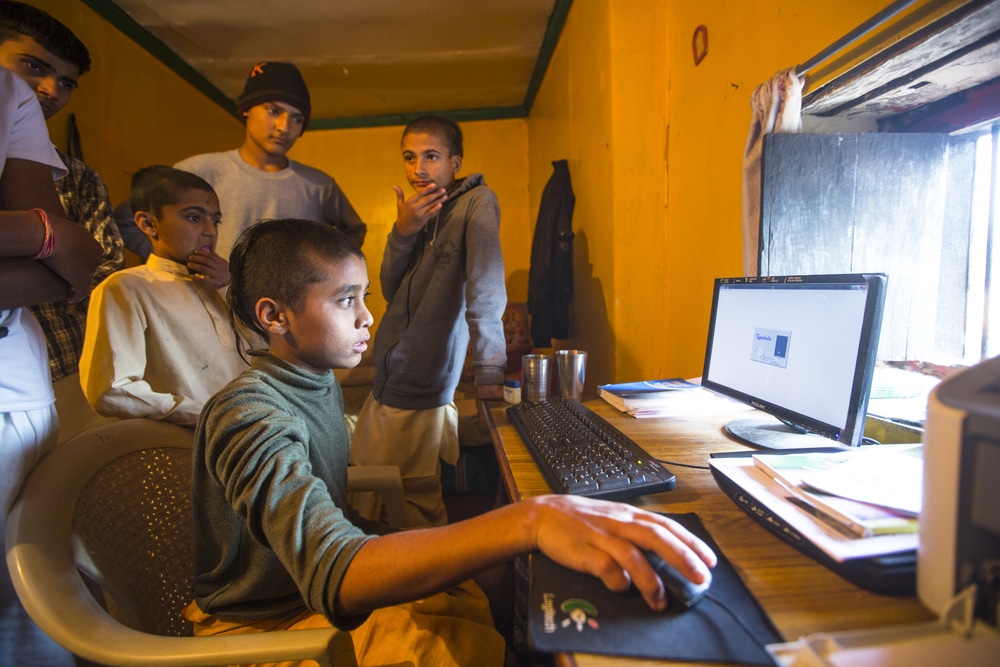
x: 801, y: 596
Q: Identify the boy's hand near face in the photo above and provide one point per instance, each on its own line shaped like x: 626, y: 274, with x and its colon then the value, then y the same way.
x: 208, y: 268
x: 412, y: 214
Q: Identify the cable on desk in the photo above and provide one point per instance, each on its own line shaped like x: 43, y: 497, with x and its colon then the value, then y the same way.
x: 740, y: 621
x: 682, y: 465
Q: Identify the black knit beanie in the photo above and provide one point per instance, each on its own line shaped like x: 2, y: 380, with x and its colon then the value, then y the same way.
x: 276, y: 82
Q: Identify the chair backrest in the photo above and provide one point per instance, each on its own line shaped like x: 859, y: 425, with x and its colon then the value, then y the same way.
x: 114, y: 503
x: 133, y: 523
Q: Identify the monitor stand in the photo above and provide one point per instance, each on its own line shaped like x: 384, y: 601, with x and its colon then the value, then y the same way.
x: 770, y: 433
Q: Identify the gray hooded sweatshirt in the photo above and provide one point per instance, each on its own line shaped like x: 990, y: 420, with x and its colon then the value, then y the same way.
x: 445, y: 288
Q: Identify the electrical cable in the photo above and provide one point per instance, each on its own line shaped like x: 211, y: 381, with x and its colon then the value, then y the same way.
x: 746, y: 628
x: 682, y: 465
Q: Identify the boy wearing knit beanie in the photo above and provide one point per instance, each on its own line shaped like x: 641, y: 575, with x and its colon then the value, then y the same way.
x: 257, y: 181
x: 275, y: 103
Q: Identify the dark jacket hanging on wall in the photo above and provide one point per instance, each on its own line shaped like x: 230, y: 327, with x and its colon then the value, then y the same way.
x: 550, y: 278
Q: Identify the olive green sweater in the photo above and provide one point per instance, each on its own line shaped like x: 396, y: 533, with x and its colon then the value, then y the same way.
x: 273, y: 530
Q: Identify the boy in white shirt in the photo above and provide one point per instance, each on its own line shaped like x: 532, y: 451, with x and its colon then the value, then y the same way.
x: 159, y: 340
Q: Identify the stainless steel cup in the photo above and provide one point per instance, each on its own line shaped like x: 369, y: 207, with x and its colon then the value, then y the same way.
x: 571, y: 366
x: 535, y: 378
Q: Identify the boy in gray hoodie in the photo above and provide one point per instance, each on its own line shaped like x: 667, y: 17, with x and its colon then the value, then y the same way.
x: 443, y: 278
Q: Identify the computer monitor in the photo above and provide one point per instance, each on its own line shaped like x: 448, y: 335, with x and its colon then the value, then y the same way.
x: 799, y: 348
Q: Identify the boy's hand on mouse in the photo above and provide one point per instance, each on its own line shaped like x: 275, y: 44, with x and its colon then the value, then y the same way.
x: 607, y: 540
x: 412, y: 214
x: 208, y: 268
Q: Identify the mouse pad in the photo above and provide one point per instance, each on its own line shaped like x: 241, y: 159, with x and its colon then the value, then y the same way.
x: 571, y: 611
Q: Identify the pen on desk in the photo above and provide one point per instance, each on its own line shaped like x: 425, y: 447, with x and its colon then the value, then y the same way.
x: 843, y: 526
x: 641, y: 392
x: 826, y: 519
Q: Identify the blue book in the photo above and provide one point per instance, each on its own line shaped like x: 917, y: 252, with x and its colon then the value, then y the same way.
x: 625, y: 395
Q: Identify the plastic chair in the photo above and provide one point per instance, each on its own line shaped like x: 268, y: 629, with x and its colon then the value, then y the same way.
x: 378, y: 487
x: 113, y: 503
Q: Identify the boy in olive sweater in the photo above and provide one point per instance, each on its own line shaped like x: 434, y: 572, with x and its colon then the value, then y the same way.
x: 278, y: 547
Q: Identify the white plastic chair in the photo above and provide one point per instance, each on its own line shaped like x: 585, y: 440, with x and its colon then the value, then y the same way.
x: 376, y: 487
x: 113, y: 503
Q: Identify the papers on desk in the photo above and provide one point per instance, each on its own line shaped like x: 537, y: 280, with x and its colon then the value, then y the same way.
x: 775, y: 497
x: 872, y: 491
x: 672, y: 397
x: 889, y: 476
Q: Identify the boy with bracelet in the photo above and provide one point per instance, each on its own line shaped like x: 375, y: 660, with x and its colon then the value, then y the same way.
x: 43, y: 257
x: 50, y: 59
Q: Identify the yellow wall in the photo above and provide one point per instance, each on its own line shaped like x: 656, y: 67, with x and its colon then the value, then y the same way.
x: 131, y: 110
x: 709, y: 119
x: 654, y: 146
x: 572, y: 120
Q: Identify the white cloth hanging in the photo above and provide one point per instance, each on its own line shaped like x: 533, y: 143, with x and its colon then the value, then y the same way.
x: 777, y: 107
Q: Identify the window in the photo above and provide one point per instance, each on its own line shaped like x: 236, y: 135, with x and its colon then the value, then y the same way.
x: 982, y: 324
x: 899, y: 204
x: 914, y: 194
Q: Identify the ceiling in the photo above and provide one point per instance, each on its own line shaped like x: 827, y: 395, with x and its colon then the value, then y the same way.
x: 367, y: 62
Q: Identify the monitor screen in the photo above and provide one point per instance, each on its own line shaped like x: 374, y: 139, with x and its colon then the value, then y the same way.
x: 800, y: 348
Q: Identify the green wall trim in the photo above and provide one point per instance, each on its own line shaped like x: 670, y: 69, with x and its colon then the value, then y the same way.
x: 556, y: 22
x: 129, y: 27
x: 460, y: 115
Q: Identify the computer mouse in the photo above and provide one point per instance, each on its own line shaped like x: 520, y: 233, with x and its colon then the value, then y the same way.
x: 682, y: 593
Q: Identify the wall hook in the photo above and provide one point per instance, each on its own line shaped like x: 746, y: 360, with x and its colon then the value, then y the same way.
x: 699, y: 53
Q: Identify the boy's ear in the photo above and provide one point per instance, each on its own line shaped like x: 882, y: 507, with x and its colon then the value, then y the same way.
x: 146, y: 224
x: 456, y: 163
x: 271, y: 316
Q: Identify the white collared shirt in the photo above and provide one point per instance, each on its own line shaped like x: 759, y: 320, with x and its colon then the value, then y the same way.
x: 158, y: 345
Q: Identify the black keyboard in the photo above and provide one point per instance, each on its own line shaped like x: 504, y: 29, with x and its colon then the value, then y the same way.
x: 580, y: 453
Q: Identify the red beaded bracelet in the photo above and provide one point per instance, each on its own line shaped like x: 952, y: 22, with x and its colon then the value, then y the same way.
x: 49, y: 242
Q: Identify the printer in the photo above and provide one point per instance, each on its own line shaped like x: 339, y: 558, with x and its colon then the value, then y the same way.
x: 960, y: 513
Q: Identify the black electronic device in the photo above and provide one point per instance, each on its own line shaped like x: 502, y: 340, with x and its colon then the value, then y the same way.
x: 799, y: 348
x: 890, y: 574
x: 579, y: 452
x: 682, y: 593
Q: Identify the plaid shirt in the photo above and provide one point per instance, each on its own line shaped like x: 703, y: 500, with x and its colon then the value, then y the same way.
x: 87, y: 203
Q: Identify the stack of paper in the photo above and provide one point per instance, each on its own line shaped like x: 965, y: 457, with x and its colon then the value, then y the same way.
x: 851, y: 490
x: 888, y: 479
x: 672, y: 397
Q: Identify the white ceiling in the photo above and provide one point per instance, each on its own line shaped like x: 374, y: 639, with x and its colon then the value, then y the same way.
x: 361, y: 58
